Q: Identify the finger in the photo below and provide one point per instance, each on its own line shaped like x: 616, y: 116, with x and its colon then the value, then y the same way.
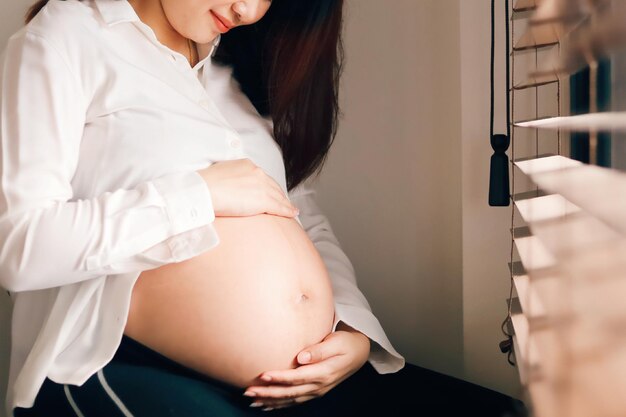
x: 275, y: 404
x: 313, y: 373
x: 273, y: 191
x: 272, y: 405
x: 283, y: 199
x: 283, y: 208
x: 281, y: 392
x: 329, y: 347
x: 279, y: 191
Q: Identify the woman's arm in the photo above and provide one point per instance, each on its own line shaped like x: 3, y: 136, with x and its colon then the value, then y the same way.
x: 351, y: 306
x: 48, y: 239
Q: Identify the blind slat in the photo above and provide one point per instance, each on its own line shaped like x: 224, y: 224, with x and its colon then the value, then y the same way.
x: 593, y: 42
x: 540, y: 37
x: 524, y: 5
x: 545, y: 163
x: 516, y: 268
x: 537, y: 81
x: 603, y: 121
x: 529, y: 300
x: 572, y: 234
x: 599, y: 191
x: 533, y: 254
x: 544, y: 208
x: 528, y: 194
x: 526, y: 353
x: 570, y: 316
x: 522, y: 231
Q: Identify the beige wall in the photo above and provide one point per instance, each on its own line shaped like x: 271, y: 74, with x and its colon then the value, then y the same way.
x: 486, y: 236
x: 392, y: 184
x: 405, y: 185
x: 412, y: 214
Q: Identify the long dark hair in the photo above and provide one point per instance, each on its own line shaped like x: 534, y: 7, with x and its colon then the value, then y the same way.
x: 288, y: 64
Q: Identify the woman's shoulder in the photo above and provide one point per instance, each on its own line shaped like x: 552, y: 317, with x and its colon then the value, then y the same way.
x: 63, y: 22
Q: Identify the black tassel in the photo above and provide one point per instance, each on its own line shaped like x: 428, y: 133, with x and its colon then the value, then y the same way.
x: 499, y: 171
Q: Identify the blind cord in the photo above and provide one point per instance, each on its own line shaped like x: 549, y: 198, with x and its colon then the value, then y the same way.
x: 508, y: 69
x: 491, y: 66
x: 492, y: 69
x: 506, y: 345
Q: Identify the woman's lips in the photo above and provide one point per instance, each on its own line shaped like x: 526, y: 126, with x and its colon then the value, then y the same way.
x: 222, y: 24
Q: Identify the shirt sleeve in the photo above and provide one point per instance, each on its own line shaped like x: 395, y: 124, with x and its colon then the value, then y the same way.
x: 351, y: 306
x: 48, y: 238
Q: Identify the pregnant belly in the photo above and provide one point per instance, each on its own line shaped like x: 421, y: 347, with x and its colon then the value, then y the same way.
x: 246, y: 306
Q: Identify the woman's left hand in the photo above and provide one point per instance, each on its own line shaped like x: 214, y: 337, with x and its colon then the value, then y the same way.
x: 322, y: 367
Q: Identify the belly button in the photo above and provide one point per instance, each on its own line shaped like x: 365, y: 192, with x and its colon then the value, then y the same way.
x: 302, y: 298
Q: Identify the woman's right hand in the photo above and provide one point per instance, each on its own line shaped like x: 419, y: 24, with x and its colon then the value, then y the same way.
x: 239, y: 187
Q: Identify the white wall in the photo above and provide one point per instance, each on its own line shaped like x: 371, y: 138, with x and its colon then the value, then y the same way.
x: 405, y: 185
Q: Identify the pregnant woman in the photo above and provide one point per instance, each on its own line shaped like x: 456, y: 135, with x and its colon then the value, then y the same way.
x: 154, y: 155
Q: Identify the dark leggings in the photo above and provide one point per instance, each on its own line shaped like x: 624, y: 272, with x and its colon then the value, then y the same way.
x: 141, y: 382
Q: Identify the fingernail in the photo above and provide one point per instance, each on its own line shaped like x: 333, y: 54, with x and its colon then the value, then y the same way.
x: 250, y: 394
x: 266, y: 378
x: 305, y: 357
x: 267, y: 408
x: 256, y: 404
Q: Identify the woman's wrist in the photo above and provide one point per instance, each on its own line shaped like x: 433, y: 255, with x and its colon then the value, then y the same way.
x: 342, y: 326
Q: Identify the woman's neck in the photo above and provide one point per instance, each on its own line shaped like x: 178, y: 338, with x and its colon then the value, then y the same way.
x: 151, y: 13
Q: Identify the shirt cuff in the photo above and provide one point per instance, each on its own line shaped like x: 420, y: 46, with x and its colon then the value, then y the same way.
x: 383, y: 357
x: 188, y: 201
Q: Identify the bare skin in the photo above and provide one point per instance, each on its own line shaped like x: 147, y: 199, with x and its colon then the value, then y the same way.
x: 248, y: 305
x: 263, y: 288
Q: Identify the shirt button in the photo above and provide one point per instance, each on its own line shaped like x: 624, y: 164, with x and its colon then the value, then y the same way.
x: 194, y: 213
x: 235, y: 143
x: 204, y: 104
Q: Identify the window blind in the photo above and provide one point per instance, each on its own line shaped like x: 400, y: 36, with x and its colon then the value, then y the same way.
x: 568, y: 227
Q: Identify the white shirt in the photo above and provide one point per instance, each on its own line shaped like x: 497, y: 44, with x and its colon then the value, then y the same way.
x: 102, y: 130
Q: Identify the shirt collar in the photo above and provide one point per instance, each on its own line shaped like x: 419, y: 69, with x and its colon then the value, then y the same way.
x: 116, y: 11
x: 119, y: 11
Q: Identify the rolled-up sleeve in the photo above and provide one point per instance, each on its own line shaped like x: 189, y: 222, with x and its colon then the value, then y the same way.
x: 48, y: 238
x: 351, y: 306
